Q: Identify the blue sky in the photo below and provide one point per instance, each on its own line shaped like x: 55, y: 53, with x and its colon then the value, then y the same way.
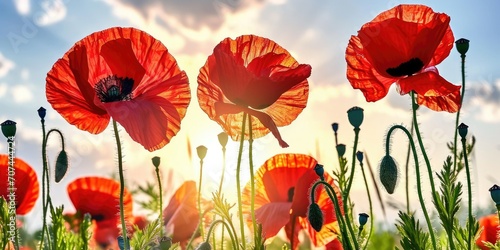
x: 34, y: 34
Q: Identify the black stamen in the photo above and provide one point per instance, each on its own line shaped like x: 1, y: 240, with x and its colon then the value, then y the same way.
x: 98, y: 217
x: 113, y: 88
x: 408, y: 68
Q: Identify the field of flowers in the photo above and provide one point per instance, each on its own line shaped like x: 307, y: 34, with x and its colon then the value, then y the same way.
x: 250, y: 86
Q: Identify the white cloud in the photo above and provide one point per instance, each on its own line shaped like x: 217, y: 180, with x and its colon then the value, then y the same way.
x: 22, y: 6
x: 21, y: 94
x: 5, y: 65
x: 3, y: 89
x: 25, y: 74
x: 52, y: 12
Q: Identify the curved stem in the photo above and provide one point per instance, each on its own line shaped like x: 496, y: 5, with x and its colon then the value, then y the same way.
x: 122, y: 186
x: 469, y: 190
x: 238, y: 182
x: 370, y: 203
x: 220, y: 187
x: 252, y: 182
x: 407, y: 181
x: 458, y: 112
x: 44, y: 173
x: 343, y: 230
x: 200, y: 212
x: 417, y: 169
x: 215, y: 222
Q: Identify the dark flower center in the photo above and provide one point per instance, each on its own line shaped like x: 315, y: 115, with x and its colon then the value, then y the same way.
x: 98, y: 217
x: 114, y: 88
x: 291, y: 191
x: 408, y: 68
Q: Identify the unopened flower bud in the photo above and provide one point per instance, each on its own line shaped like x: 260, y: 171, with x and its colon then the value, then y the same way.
x: 355, y: 115
x: 462, y: 130
x: 42, y: 112
x: 335, y: 127
x: 156, y: 161
x: 359, y: 156
x: 62, y: 165
x: 389, y: 173
x: 320, y: 171
x: 202, y: 152
x: 340, y: 149
x: 315, y: 216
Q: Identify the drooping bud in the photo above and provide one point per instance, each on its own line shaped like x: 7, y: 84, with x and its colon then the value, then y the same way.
x: 340, y: 149
x: 389, y: 173
x: 355, y: 115
x: 335, y: 127
x: 8, y: 128
x: 202, y: 152
x: 205, y: 245
x: 495, y: 194
x: 223, y: 137
x: 62, y: 165
x: 463, y: 130
x: 320, y: 171
x: 363, y: 218
x: 156, y: 161
x: 315, y: 216
x: 462, y: 45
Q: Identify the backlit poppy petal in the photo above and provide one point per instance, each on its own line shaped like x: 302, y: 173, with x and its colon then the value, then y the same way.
x: 181, y: 215
x: 99, y: 197
x: 292, y: 229
x: 490, y: 229
x: 25, y: 182
x: 433, y: 91
x: 106, y: 69
x: 398, y: 45
x: 253, y: 73
x: 334, y: 245
x: 278, y: 211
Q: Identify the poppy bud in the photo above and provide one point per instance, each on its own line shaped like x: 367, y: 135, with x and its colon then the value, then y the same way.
x: 165, y: 243
x: 315, y: 216
x: 202, y: 152
x: 340, y: 149
x: 156, y: 161
x: 42, y: 112
x: 359, y: 156
x: 335, y: 127
x: 121, y: 243
x: 8, y: 128
x: 462, y: 46
x: 495, y: 194
x: 363, y: 218
x: 355, y: 115
x: 204, y: 246
x: 61, y: 166
x: 320, y: 171
x: 223, y: 139
x: 388, y: 173
x: 462, y: 130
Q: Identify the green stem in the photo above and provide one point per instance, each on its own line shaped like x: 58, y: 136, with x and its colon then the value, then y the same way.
x: 238, y: 182
x: 199, y: 200
x: 157, y: 170
x: 12, y: 189
x: 458, y: 112
x: 220, y: 187
x: 252, y: 181
x: 44, y: 173
x: 212, y: 226
x: 345, y: 193
x: 417, y: 169
x: 122, y: 186
x: 469, y: 190
x: 346, y: 243
x: 370, y: 203
x: 407, y: 176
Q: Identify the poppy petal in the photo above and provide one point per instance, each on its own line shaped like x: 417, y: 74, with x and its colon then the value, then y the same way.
x: 362, y: 75
x: 292, y: 229
x: 277, y: 212
x: 150, y: 121
x: 99, y: 197
x: 25, y: 182
x: 489, y: 230
x: 433, y: 91
x: 121, y: 59
x: 334, y: 245
x: 181, y: 215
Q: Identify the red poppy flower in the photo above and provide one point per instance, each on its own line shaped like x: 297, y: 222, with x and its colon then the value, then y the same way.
x: 25, y: 182
x: 181, y: 215
x: 282, y: 198
x: 334, y: 245
x: 256, y: 76
x: 124, y: 74
x: 490, y: 230
x: 403, y: 45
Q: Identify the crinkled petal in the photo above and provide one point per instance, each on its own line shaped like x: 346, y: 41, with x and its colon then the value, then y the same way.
x: 121, y: 59
x: 181, y: 214
x: 273, y: 217
x: 362, y: 75
x: 149, y: 120
x: 433, y: 91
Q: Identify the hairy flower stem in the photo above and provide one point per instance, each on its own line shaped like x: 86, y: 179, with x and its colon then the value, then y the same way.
x: 122, y: 186
x: 157, y: 170
x: 11, y: 187
x: 346, y: 242
x: 199, y: 200
x: 417, y: 170
x: 238, y: 181
x: 458, y: 112
x: 345, y: 193
x: 469, y: 191
x: 252, y: 181
x: 219, y: 192
x: 407, y: 176
x: 370, y: 203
